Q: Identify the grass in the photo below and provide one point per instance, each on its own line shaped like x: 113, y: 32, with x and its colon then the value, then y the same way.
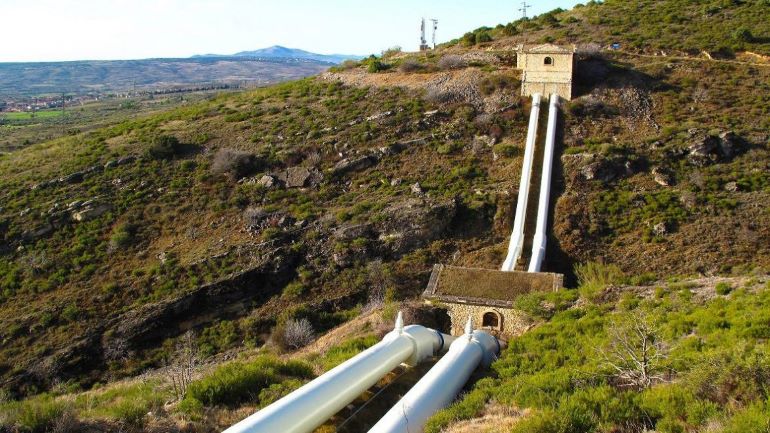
x: 238, y: 382
x: 714, y: 373
x: 26, y: 115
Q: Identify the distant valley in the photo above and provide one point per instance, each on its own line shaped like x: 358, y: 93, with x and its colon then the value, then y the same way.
x: 262, y: 66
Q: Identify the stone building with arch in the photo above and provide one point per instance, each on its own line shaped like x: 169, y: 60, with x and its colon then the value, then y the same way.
x: 546, y: 69
x: 487, y: 296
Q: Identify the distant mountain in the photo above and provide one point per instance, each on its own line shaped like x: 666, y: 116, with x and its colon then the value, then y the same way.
x: 279, y: 52
x: 117, y: 75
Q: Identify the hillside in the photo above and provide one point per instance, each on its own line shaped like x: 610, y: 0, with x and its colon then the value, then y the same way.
x: 325, y: 197
x: 26, y: 79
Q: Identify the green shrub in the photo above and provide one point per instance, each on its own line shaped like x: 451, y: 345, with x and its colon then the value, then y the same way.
x: 722, y: 288
x: 594, y: 277
x: 753, y: 419
x: 237, y: 382
x: 164, y: 147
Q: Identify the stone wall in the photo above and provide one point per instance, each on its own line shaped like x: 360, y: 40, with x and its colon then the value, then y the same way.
x: 547, y: 88
x: 513, y: 322
x: 546, y: 78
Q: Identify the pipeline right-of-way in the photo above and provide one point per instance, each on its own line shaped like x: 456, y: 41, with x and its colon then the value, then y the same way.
x: 311, y: 405
x: 538, y: 244
x: 517, y: 235
x: 442, y: 383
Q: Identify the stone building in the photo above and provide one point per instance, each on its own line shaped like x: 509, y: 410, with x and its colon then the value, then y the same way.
x: 487, y: 296
x: 546, y: 69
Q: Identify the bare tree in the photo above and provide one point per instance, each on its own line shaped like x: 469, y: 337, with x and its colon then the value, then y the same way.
x: 700, y: 94
x: 379, y: 281
x: 182, y: 366
x: 298, y: 333
x: 636, y: 351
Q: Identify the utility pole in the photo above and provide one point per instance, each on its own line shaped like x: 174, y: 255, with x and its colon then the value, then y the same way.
x: 523, y: 9
x: 435, y: 26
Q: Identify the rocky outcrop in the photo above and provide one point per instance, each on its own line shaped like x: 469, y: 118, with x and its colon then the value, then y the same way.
x: 707, y: 149
x: 663, y: 176
x: 414, y: 223
x: 230, y: 297
x: 91, y: 211
x: 354, y: 164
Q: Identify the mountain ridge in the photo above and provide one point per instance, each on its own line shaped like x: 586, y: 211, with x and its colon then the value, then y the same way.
x: 282, y: 52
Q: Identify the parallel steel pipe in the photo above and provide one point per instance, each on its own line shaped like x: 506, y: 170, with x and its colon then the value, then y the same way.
x: 441, y: 384
x: 539, y: 241
x: 310, y: 406
x: 516, y: 243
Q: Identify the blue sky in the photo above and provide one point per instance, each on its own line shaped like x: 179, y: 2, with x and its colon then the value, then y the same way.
x: 47, y: 30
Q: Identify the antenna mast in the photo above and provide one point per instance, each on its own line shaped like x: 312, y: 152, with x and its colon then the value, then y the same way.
x: 435, y: 26
x: 423, y: 42
x: 523, y: 9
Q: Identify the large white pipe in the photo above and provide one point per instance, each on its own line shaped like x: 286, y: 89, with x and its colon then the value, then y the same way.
x: 310, y: 406
x: 441, y: 384
x: 539, y: 241
x: 516, y: 243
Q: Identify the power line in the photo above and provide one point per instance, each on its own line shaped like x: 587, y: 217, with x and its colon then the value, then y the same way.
x: 523, y: 9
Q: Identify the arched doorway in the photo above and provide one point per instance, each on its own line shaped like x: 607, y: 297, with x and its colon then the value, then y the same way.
x: 491, y: 320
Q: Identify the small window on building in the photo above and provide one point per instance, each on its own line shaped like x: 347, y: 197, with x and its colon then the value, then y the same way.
x: 548, y: 61
x: 490, y: 320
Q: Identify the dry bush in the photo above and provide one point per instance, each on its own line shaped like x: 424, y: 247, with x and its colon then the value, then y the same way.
x: 298, y: 333
x: 313, y: 160
x: 254, y: 217
x: 411, y: 65
x: 234, y: 163
x: 186, y: 359
x: 636, y: 351
x: 452, y: 61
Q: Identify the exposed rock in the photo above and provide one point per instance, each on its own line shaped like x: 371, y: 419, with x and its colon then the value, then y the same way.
x: 663, y: 176
x: 395, y: 182
x: 414, y: 223
x: 233, y: 296
x: 300, y: 177
x: 38, y: 232
x: 354, y: 164
x: 76, y: 177
x: 111, y: 164
x: 379, y: 115
x: 732, y: 187
x: 660, y: 229
x: 708, y: 149
x: 126, y: 160
x: 729, y: 143
x: 350, y: 232
x: 268, y: 181
x: 91, y: 211
x: 606, y: 170
x: 417, y: 189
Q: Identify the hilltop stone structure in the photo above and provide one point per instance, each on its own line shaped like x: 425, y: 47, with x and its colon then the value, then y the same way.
x: 546, y: 69
x: 487, y: 296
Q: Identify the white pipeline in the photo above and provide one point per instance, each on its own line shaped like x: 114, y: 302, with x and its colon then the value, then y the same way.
x: 538, y: 243
x: 441, y: 384
x: 310, y: 406
x: 517, y: 235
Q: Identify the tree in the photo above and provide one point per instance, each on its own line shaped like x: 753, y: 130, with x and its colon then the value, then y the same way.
x: 636, y: 351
